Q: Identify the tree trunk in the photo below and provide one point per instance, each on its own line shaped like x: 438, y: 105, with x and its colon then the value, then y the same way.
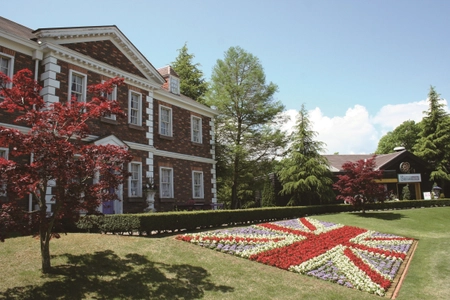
x: 45, y: 247
x: 234, y: 188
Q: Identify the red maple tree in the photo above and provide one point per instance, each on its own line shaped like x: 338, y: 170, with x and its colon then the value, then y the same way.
x: 53, y: 154
x: 358, y: 183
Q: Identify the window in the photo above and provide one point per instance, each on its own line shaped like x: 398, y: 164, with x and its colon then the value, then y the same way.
x: 3, y: 154
x: 6, y: 66
x: 165, y: 121
x: 111, y: 96
x: 166, y: 183
x: 196, y: 129
x: 135, y: 109
x: 197, y: 184
x: 135, y: 180
x: 77, y: 86
x: 174, y: 85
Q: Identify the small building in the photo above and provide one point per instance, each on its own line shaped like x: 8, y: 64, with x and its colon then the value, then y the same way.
x: 401, y: 168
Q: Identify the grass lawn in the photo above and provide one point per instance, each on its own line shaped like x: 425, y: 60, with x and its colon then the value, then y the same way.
x: 127, y: 267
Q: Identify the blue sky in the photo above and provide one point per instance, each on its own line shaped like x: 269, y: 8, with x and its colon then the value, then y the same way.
x: 360, y: 67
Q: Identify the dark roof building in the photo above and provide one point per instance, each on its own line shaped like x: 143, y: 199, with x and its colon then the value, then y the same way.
x: 400, y: 168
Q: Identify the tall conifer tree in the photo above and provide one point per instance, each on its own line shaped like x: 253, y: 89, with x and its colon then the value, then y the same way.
x: 192, y: 83
x: 433, y: 143
x: 304, y: 173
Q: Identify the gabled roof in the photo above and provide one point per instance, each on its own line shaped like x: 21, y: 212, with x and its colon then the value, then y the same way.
x: 336, y: 161
x: 52, y: 38
x: 66, y: 35
x: 16, y: 29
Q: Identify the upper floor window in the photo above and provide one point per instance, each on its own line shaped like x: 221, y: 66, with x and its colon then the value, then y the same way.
x: 135, y: 108
x: 111, y: 96
x: 77, y: 88
x: 197, y: 184
x: 165, y: 121
x: 166, y: 182
x: 6, y: 66
x: 174, y: 83
x: 135, y: 179
x: 196, y: 129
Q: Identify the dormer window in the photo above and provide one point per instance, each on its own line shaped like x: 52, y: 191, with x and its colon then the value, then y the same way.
x: 174, y: 83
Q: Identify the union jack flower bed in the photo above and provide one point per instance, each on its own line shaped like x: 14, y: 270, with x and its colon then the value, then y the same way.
x: 353, y: 257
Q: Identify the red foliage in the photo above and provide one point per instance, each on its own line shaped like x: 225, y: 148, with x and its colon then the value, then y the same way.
x: 358, y: 183
x: 80, y: 174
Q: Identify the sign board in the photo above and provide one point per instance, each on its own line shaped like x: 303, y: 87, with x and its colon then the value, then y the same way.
x: 427, y: 195
x: 405, y: 178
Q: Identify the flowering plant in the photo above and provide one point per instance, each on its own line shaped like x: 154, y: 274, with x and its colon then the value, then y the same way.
x: 350, y: 256
x: 149, y: 185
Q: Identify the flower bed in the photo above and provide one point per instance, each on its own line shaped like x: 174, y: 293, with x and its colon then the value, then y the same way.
x: 350, y: 256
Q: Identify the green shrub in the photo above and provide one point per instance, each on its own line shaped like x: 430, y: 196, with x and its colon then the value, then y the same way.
x: 190, y: 220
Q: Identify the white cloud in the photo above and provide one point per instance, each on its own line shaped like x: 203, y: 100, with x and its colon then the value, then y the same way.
x: 390, y: 116
x: 352, y: 133
x: 357, y: 132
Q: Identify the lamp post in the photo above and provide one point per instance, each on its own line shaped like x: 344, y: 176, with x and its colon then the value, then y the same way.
x: 436, y: 192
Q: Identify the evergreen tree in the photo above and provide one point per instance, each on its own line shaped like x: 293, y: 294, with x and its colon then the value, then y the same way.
x: 433, y: 144
x: 246, y: 128
x: 192, y: 83
x: 406, y: 193
x: 304, y: 173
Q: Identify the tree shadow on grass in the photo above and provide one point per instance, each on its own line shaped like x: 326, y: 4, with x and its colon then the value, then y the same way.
x: 387, y: 216
x: 105, y: 275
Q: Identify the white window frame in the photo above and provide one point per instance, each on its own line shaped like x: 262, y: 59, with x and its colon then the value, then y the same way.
x: 174, y: 85
x: 198, y: 186
x: 166, y: 183
x: 10, y: 63
x: 196, y: 133
x: 72, y: 74
x: 138, y: 109
x: 10, y: 71
x: 110, y: 97
x: 3, y: 153
x: 166, y: 130
x: 135, y: 179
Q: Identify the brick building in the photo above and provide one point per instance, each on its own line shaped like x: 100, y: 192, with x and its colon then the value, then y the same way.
x: 169, y: 135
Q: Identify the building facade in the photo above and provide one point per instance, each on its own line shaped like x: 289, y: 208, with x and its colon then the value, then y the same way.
x: 401, y: 169
x: 170, y: 136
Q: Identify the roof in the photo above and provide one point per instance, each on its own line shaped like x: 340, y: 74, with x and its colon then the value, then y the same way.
x: 16, y: 29
x: 336, y: 161
x: 166, y: 71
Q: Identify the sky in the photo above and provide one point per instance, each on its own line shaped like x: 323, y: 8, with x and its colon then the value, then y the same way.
x: 360, y: 67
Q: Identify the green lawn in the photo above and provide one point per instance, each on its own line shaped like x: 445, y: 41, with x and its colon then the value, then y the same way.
x: 123, y: 267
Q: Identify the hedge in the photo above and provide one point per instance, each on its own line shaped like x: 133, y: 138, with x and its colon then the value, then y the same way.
x: 151, y: 223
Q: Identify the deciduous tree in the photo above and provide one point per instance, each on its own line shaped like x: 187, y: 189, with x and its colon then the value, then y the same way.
x: 404, y: 135
x: 304, y: 172
x: 79, y: 175
x: 246, y: 127
x: 358, y: 183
